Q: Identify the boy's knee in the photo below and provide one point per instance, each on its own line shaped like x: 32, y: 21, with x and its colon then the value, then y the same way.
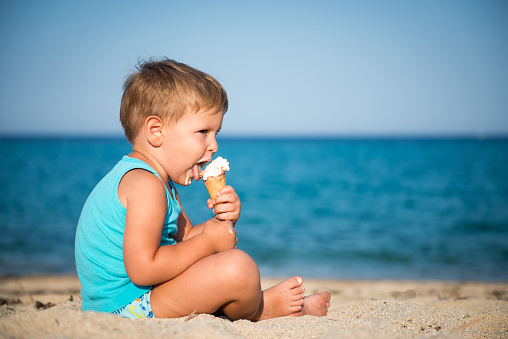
x: 241, y: 267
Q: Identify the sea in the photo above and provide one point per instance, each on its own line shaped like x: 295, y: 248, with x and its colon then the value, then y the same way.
x: 341, y: 208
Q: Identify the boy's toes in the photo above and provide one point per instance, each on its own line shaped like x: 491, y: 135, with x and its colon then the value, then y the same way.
x: 298, y: 302
x: 296, y: 308
x: 297, y: 297
x: 294, y: 282
x: 298, y: 290
x: 327, y: 296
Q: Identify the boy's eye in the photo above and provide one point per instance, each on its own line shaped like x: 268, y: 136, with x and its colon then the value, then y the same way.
x: 205, y: 131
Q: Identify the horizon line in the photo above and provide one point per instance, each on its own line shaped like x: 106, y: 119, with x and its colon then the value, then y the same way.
x: 310, y: 136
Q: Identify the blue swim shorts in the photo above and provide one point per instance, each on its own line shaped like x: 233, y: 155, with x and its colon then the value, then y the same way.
x: 139, y: 308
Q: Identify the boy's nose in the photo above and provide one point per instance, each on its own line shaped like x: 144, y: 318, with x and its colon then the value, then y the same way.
x: 214, y: 146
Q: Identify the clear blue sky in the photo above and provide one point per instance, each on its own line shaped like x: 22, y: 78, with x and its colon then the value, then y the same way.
x: 290, y: 67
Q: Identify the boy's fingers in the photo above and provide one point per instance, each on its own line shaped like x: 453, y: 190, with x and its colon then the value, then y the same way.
x: 225, y: 198
x: 209, y: 203
x: 226, y: 189
x: 221, y: 216
x: 227, y: 217
x: 220, y: 209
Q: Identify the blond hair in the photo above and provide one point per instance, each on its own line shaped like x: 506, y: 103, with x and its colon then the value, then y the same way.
x: 167, y: 89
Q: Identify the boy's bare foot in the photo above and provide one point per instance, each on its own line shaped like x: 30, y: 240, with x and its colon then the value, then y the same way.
x: 281, y: 300
x: 286, y: 299
x: 316, y: 304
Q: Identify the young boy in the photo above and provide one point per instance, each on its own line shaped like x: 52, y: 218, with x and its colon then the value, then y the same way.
x: 137, y: 253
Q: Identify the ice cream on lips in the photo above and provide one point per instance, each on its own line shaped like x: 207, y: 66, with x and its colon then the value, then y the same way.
x: 193, y: 173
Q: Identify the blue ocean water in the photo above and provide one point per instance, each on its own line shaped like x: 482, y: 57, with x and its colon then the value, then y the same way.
x: 336, y: 208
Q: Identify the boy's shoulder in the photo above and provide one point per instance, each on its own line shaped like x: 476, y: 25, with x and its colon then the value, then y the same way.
x: 143, y: 178
x: 140, y: 184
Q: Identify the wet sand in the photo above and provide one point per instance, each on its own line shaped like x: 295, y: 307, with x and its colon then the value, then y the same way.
x: 49, y: 307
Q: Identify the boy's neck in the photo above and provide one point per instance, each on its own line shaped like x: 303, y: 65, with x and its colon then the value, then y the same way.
x: 151, y: 162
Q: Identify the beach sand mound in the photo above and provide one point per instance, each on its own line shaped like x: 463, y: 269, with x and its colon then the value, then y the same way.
x: 50, y: 307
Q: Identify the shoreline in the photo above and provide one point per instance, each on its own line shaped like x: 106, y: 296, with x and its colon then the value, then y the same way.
x: 359, y: 309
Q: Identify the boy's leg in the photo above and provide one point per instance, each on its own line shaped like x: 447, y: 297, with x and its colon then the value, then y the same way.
x: 229, y: 281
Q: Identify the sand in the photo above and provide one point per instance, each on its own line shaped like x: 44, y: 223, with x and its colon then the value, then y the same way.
x: 50, y: 307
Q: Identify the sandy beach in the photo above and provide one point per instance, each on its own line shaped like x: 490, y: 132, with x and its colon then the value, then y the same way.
x: 49, y: 307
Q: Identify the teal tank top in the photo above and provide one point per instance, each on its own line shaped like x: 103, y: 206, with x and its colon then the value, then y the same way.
x: 105, y: 286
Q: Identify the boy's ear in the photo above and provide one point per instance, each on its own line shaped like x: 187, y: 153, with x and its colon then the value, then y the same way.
x: 153, y: 130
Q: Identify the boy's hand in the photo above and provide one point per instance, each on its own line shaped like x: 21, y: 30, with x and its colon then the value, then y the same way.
x: 221, y: 233
x: 231, y: 206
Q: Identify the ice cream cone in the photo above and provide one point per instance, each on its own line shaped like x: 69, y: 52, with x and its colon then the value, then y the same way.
x: 214, y: 184
x: 214, y: 176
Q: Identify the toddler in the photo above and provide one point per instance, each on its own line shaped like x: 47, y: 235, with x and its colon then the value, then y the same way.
x: 137, y: 253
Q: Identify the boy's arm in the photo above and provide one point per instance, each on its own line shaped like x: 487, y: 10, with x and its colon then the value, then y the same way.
x: 146, y: 262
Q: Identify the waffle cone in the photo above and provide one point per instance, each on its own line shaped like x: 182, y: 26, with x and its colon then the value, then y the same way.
x: 214, y: 184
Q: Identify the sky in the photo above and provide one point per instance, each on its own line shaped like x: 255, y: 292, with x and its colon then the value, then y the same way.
x: 300, y: 68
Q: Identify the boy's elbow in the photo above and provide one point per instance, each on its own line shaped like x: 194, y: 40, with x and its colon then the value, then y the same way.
x: 139, y: 280
x: 138, y: 277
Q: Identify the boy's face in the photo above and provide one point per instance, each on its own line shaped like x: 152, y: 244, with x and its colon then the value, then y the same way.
x: 190, y: 143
